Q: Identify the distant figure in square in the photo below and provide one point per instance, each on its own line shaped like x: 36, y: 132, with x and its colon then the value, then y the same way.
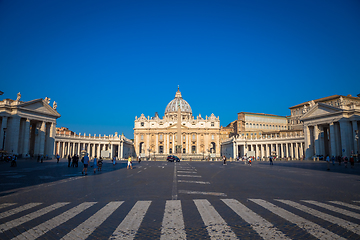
x: 224, y: 159
x: 100, y: 163
x: 69, y: 160
x: 86, y: 164
x: 57, y: 158
x: 129, y: 163
x: 352, y: 162
x: 328, y: 162
x: 271, y: 160
x: 95, y: 164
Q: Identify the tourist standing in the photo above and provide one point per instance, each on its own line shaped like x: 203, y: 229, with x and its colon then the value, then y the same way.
x: 328, y: 162
x: 114, y: 161
x: 86, y: 164
x: 69, y: 160
x: 95, y: 164
x: 271, y: 160
x: 57, y: 158
x: 224, y: 159
x: 129, y: 162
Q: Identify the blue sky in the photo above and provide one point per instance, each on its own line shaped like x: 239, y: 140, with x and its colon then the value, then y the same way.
x: 105, y: 62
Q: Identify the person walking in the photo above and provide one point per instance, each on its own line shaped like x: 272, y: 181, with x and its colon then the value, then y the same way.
x: 69, y: 160
x: 114, y: 161
x: 224, y: 159
x: 139, y: 159
x: 95, y: 164
x: 86, y: 164
x: 271, y: 160
x: 129, y: 163
x: 100, y: 163
x: 328, y: 162
x: 352, y: 162
x: 346, y: 161
x: 57, y: 158
x: 333, y: 160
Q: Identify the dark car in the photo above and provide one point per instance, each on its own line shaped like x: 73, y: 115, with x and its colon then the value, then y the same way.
x: 172, y: 158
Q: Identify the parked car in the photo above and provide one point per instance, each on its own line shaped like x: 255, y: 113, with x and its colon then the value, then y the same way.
x: 172, y: 158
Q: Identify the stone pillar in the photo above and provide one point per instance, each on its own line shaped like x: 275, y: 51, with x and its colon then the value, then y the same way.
x: 98, y: 151
x: 256, y: 151
x: 355, y: 128
x: 122, y: 149
x: 3, y: 126
x: 277, y: 150
x: 301, y: 150
x: 26, y: 141
x: 62, y: 150
x: 282, y: 150
x: 307, y: 145
x: 345, y: 131
x: 287, y: 149
x: 263, y: 150
x: 332, y: 140
x: 13, y: 134
x: 296, y: 151
x: 267, y: 150
x: 51, y: 140
x: 316, y: 140
x: 157, y: 143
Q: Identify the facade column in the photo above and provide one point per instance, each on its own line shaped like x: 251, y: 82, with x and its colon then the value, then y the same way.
x: 62, y: 150
x: 332, y: 140
x: 3, y: 132
x: 51, y: 140
x: 263, y: 151
x: 42, y: 138
x: 282, y: 150
x: 98, y: 151
x: 157, y: 143
x: 13, y: 134
x: 256, y: 151
x: 267, y: 150
x: 355, y: 130
x: 287, y: 149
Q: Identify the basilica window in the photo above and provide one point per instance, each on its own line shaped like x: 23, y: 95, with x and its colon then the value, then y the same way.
x: 193, y: 149
x: 170, y: 137
x: 161, y: 137
x: 142, y: 124
x: 184, y: 150
x: 212, y: 137
x: 170, y: 150
x: 193, y: 136
x: 212, y: 124
x: 183, y: 137
x: 142, y: 137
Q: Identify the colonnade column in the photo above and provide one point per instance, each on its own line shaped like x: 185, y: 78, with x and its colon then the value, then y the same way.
x: 355, y: 130
x: 26, y: 143
x: 301, y: 150
x: 287, y: 150
x: 316, y: 140
x: 2, y: 132
x: 282, y: 150
x: 308, y: 149
x: 296, y: 151
x: 122, y: 149
x: 256, y: 151
x: 345, y: 135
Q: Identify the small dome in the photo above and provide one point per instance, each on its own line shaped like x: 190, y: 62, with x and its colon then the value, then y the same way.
x: 172, y: 107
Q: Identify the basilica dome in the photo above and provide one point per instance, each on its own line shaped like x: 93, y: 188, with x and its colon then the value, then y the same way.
x: 172, y: 106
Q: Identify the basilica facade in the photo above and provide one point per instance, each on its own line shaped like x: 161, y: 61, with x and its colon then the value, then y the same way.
x: 178, y: 133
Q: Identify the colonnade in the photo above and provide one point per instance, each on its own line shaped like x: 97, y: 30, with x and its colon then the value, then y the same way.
x: 290, y: 147
x: 117, y: 146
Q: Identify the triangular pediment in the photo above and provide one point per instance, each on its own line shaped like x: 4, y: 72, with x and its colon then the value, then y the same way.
x: 175, y: 127
x: 38, y: 106
x: 319, y: 110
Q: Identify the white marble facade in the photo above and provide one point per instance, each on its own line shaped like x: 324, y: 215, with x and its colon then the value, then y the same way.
x: 28, y: 128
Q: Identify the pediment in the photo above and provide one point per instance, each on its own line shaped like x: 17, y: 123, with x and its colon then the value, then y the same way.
x: 39, y: 106
x: 320, y: 110
x: 175, y: 127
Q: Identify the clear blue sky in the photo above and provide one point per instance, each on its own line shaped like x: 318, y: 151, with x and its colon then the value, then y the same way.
x: 105, y: 62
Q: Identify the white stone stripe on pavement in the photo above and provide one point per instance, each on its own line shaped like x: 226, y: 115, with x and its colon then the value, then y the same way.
x: 346, y: 205
x: 199, y: 182
x: 54, y: 222
x: 188, y: 176
x: 128, y: 228
x: 264, y: 228
x: 185, y: 172
x: 16, y: 222
x: 18, y: 209
x: 203, y: 193
x: 357, y: 201
x: 4, y: 205
x: 310, y: 227
x: 353, y: 227
x: 334, y: 209
x: 215, y: 224
x: 86, y: 228
x: 173, y: 226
